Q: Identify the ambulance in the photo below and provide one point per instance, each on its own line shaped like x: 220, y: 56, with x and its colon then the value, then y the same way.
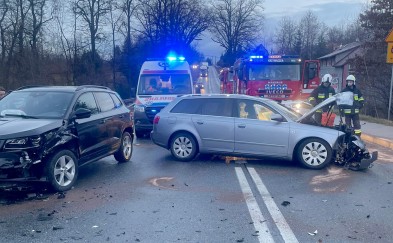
x: 160, y: 82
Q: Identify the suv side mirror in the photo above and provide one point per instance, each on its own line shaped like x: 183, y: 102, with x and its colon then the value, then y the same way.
x: 277, y: 117
x: 82, y: 113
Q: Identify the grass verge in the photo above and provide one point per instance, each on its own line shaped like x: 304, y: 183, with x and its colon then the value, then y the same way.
x: 376, y: 120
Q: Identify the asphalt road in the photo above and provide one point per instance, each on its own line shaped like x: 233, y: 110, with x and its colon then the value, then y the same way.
x: 155, y: 198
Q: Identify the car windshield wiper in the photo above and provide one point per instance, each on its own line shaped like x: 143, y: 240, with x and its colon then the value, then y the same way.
x: 20, y: 115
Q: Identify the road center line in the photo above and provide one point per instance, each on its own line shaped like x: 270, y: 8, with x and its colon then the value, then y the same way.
x: 255, y: 212
x: 274, y: 211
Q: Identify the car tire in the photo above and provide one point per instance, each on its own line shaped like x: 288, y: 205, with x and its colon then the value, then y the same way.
x: 62, y: 170
x: 314, y: 153
x: 184, y: 147
x: 124, y: 153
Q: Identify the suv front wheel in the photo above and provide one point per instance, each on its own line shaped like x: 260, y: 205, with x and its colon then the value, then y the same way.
x: 62, y: 170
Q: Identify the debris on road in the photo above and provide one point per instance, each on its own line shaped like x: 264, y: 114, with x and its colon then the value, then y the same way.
x: 61, y: 195
x: 315, y: 233
x: 285, y: 203
x: 57, y: 228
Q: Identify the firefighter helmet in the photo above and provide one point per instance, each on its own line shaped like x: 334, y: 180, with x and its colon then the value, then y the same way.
x: 351, y: 78
x: 327, y: 78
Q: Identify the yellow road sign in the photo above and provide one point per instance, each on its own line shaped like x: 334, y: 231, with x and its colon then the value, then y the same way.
x: 389, y: 38
x: 389, y: 56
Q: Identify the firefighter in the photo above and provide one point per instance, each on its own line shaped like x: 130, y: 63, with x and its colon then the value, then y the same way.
x: 351, y: 113
x: 320, y: 94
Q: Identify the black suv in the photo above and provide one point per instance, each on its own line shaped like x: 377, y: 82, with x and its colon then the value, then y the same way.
x: 47, y: 132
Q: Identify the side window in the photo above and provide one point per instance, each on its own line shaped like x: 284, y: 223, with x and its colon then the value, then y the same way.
x: 187, y: 106
x: 86, y: 101
x: 217, y: 107
x: 104, y: 101
x: 263, y: 112
x: 117, y: 101
x: 253, y: 110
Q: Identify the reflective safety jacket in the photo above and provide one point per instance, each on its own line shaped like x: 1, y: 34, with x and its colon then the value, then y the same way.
x: 358, y: 101
x: 320, y: 94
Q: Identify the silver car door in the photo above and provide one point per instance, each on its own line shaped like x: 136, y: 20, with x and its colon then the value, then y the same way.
x: 215, y: 125
x: 256, y: 134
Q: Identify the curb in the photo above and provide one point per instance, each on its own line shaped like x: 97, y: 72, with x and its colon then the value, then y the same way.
x: 380, y: 141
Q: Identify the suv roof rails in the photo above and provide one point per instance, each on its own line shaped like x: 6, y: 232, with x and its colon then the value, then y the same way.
x: 92, y: 86
x: 28, y: 86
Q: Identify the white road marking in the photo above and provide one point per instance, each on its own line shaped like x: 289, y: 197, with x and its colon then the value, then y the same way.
x: 274, y: 211
x: 255, y: 212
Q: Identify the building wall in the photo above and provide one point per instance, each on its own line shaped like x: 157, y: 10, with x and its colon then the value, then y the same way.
x: 337, y: 73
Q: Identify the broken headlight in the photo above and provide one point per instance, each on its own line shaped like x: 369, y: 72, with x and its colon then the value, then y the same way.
x: 23, y: 143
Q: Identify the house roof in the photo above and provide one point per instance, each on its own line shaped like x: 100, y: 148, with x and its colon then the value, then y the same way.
x: 344, y: 48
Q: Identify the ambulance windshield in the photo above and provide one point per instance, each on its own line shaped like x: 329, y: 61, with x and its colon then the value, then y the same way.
x: 161, y: 84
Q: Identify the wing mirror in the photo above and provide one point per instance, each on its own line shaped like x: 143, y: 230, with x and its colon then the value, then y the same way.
x: 82, y: 113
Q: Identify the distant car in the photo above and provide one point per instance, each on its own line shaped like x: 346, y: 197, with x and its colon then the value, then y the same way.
x: 249, y: 126
x: 47, y: 132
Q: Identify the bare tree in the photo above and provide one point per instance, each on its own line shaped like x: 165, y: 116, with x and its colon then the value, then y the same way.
x: 128, y: 8
x: 114, y: 21
x: 285, y: 36
x: 92, y: 12
x: 236, y: 23
x: 172, y: 23
x: 309, y: 27
x: 38, y: 15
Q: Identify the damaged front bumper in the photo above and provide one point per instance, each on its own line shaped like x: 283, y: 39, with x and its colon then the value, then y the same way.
x: 18, y: 166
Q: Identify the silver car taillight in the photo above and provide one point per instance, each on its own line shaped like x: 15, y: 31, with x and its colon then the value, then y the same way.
x: 156, y: 119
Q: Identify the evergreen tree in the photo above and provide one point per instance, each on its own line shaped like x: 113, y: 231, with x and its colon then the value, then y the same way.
x: 373, y: 73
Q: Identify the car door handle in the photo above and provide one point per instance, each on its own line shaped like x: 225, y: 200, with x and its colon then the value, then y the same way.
x: 241, y: 126
x: 200, y: 122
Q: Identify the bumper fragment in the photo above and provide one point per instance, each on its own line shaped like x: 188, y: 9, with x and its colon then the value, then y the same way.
x: 366, y: 163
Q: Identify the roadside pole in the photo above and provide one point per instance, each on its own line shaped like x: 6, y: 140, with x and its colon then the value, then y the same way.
x: 389, y: 59
x: 390, y: 97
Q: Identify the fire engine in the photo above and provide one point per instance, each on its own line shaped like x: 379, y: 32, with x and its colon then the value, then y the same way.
x: 278, y: 77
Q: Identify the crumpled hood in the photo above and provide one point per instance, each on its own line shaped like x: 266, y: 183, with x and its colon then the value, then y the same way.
x: 14, y: 127
x: 344, y: 98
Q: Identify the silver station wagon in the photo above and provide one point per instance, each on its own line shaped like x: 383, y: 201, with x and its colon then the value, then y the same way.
x: 241, y: 125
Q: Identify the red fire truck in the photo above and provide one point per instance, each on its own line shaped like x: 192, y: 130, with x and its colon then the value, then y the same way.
x: 277, y: 77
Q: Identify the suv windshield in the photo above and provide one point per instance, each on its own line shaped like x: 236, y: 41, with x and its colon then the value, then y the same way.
x: 275, y: 72
x: 158, y: 84
x: 37, y: 104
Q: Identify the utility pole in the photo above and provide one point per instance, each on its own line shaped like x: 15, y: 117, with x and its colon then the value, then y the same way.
x: 389, y: 59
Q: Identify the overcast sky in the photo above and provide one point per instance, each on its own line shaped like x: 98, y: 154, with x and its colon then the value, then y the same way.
x: 331, y: 12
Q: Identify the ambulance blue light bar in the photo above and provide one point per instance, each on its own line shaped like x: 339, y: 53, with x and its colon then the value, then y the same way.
x: 175, y: 58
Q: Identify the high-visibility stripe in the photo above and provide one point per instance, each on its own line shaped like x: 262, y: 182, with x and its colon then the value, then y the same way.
x: 358, y: 131
x: 311, y: 98
x: 319, y: 111
x: 321, y: 96
x: 361, y: 99
x: 330, y: 94
x: 356, y: 110
x: 356, y: 97
x: 347, y: 111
